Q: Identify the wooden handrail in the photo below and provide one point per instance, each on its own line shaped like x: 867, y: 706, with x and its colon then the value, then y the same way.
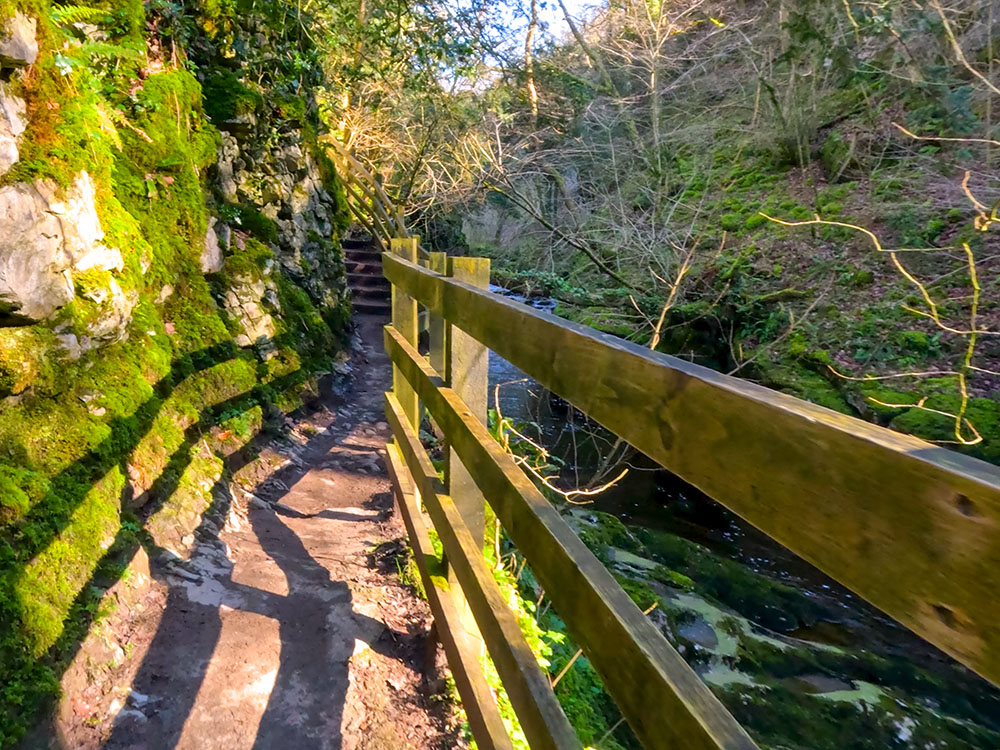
x: 896, y: 519
x: 462, y: 653
x: 664, y: 701
x: 372, y: 206
x: 911, y: 527
x: 543, y: 721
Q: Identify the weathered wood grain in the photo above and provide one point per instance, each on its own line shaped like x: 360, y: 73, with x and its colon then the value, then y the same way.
x: 911, y: 527
x: 467, y: 372
x: 462, y: 651
x: 437, y: 327
x: 406, y: 320
x: 542, y: 719
x: 663, y: 700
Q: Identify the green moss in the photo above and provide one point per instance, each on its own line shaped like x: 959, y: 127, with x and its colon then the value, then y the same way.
x: 982, y: 413
x: 48, y: 585
x: 227, y: 98
x: 140, y: 405
x: 806, y: 384
x: 26, y: 359
x: 252, y: 221
x: 19, y: 490
x: 181, y: 511
x: 756, y: 597
x: 602, y: 530
x: 914, y: 340
x: 731, y: 222
x: 247, y: 262
x: 639, y: 592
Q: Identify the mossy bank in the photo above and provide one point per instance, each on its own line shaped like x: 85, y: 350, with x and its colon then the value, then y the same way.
x: 190, y: 290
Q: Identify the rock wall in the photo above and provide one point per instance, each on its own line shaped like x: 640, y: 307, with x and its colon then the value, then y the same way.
x: 170, y: 281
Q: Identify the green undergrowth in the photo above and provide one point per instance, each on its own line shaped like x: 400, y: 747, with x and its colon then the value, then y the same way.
x: 106, y: 428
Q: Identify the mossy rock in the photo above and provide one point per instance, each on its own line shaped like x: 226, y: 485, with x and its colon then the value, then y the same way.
x: 228, y: 99
x: 983, y: 414
x: 27, y: 357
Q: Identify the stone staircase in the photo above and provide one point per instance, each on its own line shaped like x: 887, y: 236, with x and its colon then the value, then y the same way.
x: 370, y: 292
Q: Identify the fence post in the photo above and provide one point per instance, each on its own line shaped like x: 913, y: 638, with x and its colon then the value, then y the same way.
x: 437, y: 327
x: 404, y: 320
x: 467, y: 372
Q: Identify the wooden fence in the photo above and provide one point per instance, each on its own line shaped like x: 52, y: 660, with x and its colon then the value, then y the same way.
x: 911, y: 527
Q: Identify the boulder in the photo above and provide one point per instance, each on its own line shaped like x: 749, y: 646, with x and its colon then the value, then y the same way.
x: 229, y: 151
x: 211, y: 254
x: 12, y: 124
x: 244, y: 304
x: 19, y: 43
x: 48, y: 232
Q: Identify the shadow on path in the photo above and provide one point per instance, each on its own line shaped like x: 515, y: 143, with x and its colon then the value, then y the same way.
x: 197, y: 689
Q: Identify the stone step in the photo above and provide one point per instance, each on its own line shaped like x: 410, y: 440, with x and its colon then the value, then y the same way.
x: 372, y: 307
x: 373, y: 255
x: 371, y: 267
x: 372, y: 294
x: 367, y: 281
x: 357, y: 244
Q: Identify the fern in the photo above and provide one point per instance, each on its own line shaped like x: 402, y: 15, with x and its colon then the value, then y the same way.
x: 106, y: 51
x: 67, y: 15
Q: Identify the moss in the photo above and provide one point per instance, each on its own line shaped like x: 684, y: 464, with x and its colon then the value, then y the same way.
x: 806, y: 384
x: 731, y: 222
x: 252, y: 221
x: 914, y: 340
x: 639, y: 592
x: 247, y: 262
x: 755, y: 596
x: 227, y: 98
x: 19, y: 490
x: 312, y: 335
x: 26, y: 359
x: 48, y: 585
x: 136, y: 407
x: 883, y: 401
x: 180, y: 511
x: 982, y: 413
x: 602, y: 530
x: 49, y: 436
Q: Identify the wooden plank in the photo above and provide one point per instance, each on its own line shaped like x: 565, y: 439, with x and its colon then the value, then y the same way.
x: 462, y: 651
x: 405, y: 319
x: 542, y: 719
x: 467, y: 373
x: 911, y: 527
x: 663, y: 700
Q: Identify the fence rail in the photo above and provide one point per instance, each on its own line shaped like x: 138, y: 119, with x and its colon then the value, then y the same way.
x: 911, y: 527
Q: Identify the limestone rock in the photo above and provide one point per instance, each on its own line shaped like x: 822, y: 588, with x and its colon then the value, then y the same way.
x: 243, y: 303
x: 211, y: 254
x: 12, y: 124
x: 19, y: 44
x: 116, y: 313
x: 47, y: 233
x: 229, y: 151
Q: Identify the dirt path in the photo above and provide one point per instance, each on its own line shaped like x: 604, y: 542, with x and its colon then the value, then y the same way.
x: 290, y: 628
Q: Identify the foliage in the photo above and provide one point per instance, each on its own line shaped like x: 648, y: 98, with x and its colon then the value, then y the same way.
x: 99, y: 422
